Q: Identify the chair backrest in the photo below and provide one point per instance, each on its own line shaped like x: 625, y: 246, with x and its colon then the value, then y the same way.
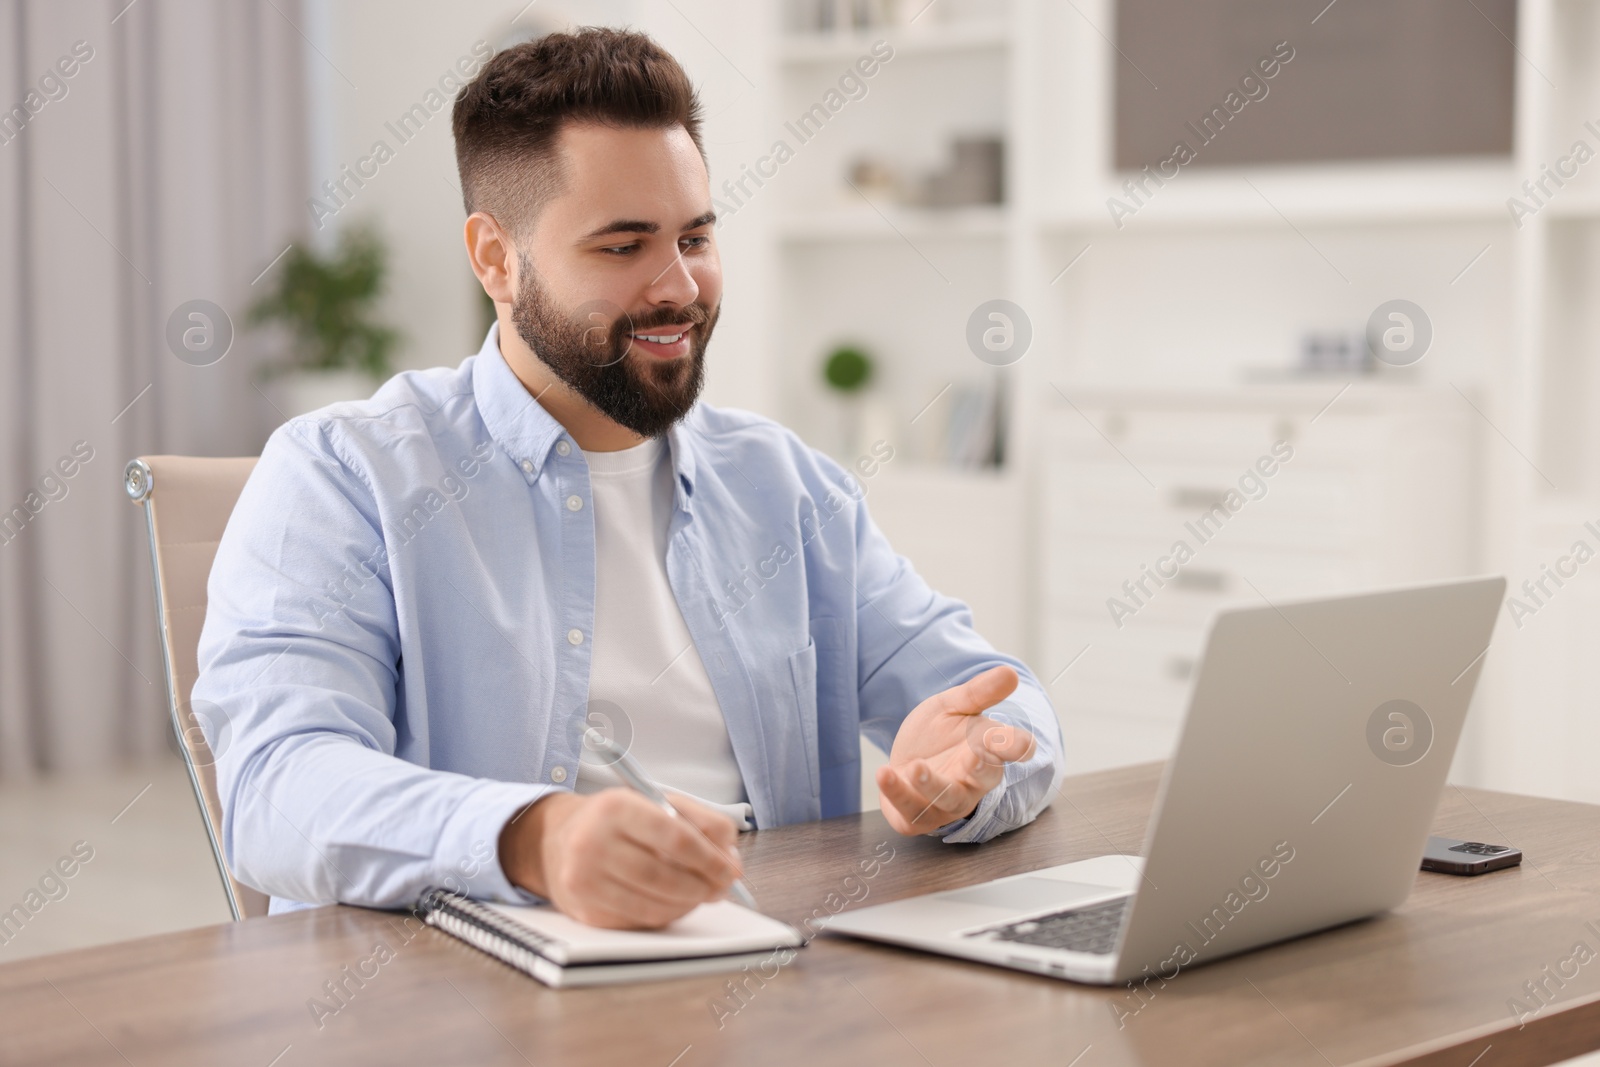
x: 187, y: 501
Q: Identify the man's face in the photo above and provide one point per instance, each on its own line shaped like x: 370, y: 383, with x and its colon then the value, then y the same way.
x: 619, y: 283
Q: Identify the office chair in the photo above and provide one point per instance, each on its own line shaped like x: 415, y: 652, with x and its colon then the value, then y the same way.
x: 187, y: 500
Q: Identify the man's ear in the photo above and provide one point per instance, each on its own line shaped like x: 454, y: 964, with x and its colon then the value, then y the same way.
x: 490, y: 251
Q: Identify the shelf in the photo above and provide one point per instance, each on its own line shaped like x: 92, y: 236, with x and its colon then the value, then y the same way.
x: 946, y: 38
x: 863, y: 223
x: 1349, y: 195
x: 1310, y: 394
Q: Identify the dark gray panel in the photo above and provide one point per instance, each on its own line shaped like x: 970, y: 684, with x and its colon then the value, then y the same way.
x: 1369, y: 79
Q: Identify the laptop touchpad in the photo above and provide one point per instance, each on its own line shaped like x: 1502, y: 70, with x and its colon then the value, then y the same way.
x: 1023, y: 894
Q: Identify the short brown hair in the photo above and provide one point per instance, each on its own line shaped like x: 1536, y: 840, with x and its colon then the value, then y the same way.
x: 507, y: 119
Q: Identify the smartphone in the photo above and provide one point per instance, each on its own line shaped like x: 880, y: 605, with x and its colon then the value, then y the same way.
x: 1449, y: 856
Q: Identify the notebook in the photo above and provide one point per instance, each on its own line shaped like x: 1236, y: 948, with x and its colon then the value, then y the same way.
x: 560, y: 951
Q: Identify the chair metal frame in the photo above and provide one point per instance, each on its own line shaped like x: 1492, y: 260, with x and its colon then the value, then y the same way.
x: 139, y: 483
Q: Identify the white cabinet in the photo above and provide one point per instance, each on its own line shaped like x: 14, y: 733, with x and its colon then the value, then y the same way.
x: 1159, y: 509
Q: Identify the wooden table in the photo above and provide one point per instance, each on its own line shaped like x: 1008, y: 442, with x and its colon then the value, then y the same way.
x: 1427, y: 984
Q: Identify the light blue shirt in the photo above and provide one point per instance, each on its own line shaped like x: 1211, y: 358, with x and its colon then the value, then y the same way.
x: 395, y: 657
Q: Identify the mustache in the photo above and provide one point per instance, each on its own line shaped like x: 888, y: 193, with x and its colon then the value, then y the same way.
x: 688, y: 315
x: 604, y: 333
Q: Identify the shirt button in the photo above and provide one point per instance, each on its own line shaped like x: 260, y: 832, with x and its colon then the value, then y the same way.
x: 574, y: 637
x: 558, y: 774
x: 563, y: 449
x: 527, y: 466
x: 574, y: 503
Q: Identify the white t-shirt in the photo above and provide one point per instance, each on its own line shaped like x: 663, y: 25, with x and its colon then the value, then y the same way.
x: 645, y: 674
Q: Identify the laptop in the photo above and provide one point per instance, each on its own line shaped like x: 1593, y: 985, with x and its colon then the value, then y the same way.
x: 1300, y: 796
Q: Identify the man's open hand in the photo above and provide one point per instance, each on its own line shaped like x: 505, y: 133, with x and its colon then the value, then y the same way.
x: 615, y: 859
x: 947, y: 755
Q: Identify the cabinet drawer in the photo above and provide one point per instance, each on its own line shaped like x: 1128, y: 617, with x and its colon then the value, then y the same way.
x: 1216, y: 578
x: 1320, y: 508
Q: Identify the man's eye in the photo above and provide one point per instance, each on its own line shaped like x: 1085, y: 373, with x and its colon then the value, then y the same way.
x: 620, y: 250
x: 700, y: 241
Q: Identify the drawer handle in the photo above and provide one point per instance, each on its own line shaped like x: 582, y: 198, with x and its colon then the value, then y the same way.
x: 1201, y: 580
x: 1191, y: 497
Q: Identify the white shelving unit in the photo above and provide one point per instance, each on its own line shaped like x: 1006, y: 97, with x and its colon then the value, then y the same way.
x: 1541, y: 722
x: 902, y: 281
x: 1209, y: 285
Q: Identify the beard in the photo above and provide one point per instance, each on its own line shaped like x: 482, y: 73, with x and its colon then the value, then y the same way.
x: 590, y: 349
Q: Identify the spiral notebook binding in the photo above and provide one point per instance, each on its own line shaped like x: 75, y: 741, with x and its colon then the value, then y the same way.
x: 483, y: 928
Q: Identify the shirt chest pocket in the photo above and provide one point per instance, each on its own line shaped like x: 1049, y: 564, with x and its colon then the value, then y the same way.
x: 803, y: 677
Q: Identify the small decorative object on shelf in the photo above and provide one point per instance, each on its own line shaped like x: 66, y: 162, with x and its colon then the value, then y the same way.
x: 337, y: 351
x: 843, y: 16
x: 976, y: 425
x: 832, y: 16
x: 1339, y: 352
x: 974, y: 176
x: 878, y: 179
x: 1329, y: 352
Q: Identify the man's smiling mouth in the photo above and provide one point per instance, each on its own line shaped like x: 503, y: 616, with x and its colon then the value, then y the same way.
x: 665, y: 342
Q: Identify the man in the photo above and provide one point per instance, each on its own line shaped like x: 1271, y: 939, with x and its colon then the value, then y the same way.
x: 422, y: 600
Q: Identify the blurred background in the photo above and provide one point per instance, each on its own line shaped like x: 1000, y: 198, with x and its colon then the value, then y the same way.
x: 1054, y: 278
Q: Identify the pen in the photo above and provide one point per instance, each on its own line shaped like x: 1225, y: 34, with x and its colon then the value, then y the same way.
x: 629, y: 770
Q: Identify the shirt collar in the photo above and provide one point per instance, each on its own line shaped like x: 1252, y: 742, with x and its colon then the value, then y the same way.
x: 527, y: 432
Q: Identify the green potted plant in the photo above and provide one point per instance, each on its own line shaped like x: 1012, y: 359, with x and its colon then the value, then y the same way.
x: 848, y: 369
x: 326, y: 302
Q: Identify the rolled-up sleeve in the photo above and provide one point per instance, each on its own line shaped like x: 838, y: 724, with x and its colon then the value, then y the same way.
x: 297, y: 693
x: 913, y: 643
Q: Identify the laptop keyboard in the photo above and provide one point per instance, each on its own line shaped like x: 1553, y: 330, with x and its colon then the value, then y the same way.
x: 1092, y: 929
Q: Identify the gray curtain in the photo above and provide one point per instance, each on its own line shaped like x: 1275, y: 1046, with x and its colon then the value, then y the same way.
x: 151, y: 154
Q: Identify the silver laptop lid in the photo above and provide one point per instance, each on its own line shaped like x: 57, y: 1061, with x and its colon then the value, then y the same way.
x: 1311, y: 761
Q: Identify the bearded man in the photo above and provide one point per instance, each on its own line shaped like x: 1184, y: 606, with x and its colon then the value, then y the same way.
x: 423, y: 600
